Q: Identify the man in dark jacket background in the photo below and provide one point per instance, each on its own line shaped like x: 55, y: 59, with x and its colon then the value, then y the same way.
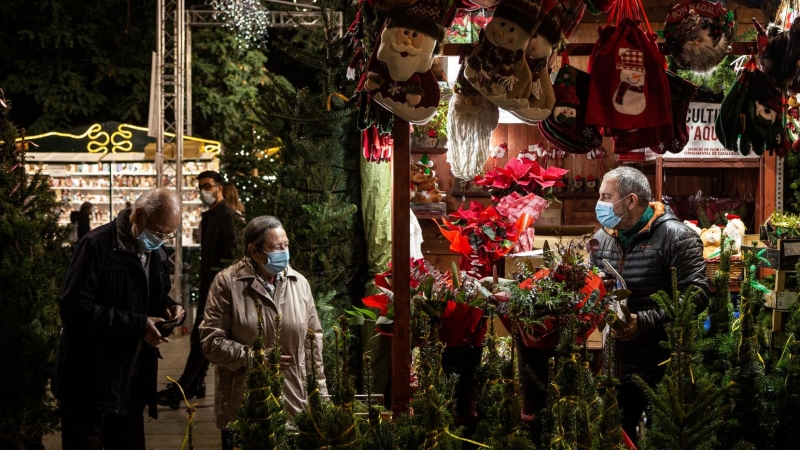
x: 217, y: 244
x: 116, y: 311
x: 643, y: 241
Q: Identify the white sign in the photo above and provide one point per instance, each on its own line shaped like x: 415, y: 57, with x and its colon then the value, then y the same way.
x: 57, y: 170
x: 703, y: 141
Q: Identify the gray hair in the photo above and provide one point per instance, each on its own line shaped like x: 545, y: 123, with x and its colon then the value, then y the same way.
x: 255, y: 232
x: 630, y: 181
x: 158, y: 200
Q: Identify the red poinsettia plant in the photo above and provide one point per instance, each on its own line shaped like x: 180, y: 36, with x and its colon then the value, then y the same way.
x: 523, y: 176
x: 454, y: 302
x: 482, y: 236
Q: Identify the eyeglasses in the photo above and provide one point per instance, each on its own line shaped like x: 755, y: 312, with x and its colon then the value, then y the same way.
x: 161, y: 235
x: 275, y: 248
x: 206, y: 187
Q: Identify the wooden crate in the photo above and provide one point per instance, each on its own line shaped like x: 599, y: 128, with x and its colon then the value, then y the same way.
x: 779, y: 319
x: 781, y: 300
x: 783, y: 257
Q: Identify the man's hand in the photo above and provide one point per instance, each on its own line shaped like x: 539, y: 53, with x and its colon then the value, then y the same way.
x: 609, y: 282
x: 151, y: 334
x: 176, y: 312
x: 631, y: 330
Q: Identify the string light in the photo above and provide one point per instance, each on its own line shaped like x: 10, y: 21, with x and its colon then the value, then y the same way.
x: 249, y: 19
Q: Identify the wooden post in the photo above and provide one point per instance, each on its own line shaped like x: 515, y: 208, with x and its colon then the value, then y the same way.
x: 401, y: 253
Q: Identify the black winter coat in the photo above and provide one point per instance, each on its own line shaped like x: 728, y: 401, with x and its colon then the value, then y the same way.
x: 104, y: 308
x: 646, y: 266
x: 217, y: 246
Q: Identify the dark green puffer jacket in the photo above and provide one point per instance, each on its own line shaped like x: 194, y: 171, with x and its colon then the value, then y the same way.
x: 646, y: 263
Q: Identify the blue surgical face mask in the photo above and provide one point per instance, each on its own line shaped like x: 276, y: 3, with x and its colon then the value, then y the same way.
x: 149, y: 241
x: 277, y: 262
x: 605, y: 213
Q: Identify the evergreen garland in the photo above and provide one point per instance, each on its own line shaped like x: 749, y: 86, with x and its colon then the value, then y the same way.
x: 261, y: 421
x: 722, y: 78
x: 687, y: 414
x: 34, y: 255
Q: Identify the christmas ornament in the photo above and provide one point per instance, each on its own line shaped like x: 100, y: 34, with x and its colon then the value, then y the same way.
x: 496, y: 67
x: 399, y: 71
x: 697, y: 34
x: 470, y: 122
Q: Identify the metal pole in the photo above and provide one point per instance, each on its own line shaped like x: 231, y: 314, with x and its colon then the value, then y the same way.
x: 180, y: 108
x: 188, y: 30
x: 158, y: 162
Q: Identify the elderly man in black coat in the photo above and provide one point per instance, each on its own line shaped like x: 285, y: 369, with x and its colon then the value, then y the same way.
x: 643, y: 241
x: 116, y: 311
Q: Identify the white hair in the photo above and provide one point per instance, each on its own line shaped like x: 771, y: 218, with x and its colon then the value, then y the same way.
x: 158, y: 201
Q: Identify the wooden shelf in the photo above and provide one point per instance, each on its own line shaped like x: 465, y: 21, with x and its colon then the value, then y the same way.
x: 575, y: 194
x: 428, y: 150
x: 469, y: 194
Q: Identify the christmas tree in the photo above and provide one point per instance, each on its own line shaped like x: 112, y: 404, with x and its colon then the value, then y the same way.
x: 34, y: 255
x: 685, y: 407
x: 261, y: 422
x: 329, y: 424
x: 499, y: 399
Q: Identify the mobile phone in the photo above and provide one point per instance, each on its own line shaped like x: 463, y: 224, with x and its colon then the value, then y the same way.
x: 167, y: 324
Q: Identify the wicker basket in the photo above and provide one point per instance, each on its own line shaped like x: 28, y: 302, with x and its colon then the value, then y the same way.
x: 712, y: 265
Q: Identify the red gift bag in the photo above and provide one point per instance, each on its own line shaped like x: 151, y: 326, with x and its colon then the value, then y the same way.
x: 629, y: 89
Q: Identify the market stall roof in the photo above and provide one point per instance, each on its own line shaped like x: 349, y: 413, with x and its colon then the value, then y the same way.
x: 111, y: 141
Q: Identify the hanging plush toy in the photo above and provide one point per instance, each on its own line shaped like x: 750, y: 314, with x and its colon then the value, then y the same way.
x: 750, y: 117
x: 780, y: 56
x: 470, y: 122
x: 399, y: 71
x: 537, y: 55
x: 697, y: 34
x: 496, y: 66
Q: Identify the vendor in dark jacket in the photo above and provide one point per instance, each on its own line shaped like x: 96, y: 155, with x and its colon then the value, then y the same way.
x: 643, y: 241
x: 113, y: 309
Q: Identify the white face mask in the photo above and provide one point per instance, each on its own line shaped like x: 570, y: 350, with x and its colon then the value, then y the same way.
x: 208, y: 197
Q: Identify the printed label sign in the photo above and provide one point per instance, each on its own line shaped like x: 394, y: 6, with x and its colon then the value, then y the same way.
x: 703, y: 141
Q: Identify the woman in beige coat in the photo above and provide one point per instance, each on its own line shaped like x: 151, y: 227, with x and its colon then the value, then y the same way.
x: 230, y: 322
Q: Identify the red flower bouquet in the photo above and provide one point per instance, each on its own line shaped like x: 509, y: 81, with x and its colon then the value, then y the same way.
x: 452, y: 306
x: 545, y: 302
x: 482, y: 236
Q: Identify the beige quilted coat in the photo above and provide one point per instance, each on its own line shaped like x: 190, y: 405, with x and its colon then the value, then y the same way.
x: 230, y: 324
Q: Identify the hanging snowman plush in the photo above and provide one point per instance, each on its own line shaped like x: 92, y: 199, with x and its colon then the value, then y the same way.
x: 399, y: 71
x: 537, y: 55
x: 470, y: 122
x: 629, y: 97
x: 496, y: 67
x: 698, y: 34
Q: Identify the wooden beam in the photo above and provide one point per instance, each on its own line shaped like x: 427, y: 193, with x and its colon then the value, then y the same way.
x: 401, y: 254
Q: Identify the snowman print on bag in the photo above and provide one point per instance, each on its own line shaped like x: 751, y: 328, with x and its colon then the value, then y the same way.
x: 629, y: 97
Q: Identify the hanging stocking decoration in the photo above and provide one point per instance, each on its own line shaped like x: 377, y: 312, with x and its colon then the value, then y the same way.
x: 399, y: 71
x: 565, y: 127
x: 629, y: 89
x: 673, y: 137
x: 470, y: 122
x: 697, y: 34
x: 557, y: 21
x: 496, y: 67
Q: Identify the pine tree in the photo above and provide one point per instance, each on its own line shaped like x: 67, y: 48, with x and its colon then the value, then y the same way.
x: 499, y: 399
x: 720, y: 343
x: 787, y: 385
x: 686, y: 412
x: 33, y: 257
x: 261, y: 421
x: 749, y: 423
x: 329, y: 424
